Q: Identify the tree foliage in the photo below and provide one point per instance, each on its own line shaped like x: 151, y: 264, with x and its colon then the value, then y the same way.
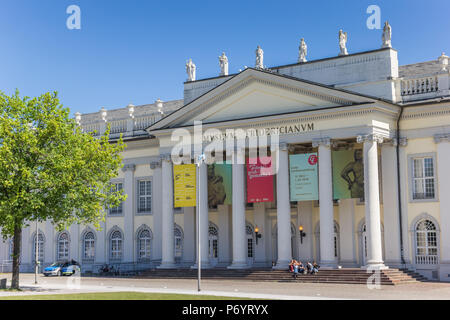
x: 49, y: 169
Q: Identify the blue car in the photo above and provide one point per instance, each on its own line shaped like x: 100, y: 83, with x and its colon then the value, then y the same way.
x: 70, y: 268
x: 54, y: 270
x: 67, y: 268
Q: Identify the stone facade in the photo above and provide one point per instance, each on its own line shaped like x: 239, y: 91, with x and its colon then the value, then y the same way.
x: 362, y: 99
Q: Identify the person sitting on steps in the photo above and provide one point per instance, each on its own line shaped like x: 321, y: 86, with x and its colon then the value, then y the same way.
x: 315, y: 268
x: 296, y: 269
x: 301, y: 267
x: 291, y: 265
x: 309, y: 267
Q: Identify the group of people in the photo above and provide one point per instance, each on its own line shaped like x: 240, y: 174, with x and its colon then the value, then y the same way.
x: 297, y: 267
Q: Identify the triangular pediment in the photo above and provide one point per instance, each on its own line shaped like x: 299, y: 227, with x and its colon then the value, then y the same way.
x: 255, y: 93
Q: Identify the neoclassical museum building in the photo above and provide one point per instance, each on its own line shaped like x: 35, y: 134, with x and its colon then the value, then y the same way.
x: 359, y: 143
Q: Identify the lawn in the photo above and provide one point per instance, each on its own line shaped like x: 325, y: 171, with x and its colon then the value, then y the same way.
x: 118, y: 296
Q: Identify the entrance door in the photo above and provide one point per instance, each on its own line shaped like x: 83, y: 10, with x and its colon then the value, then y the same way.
x: 213, y: 244
x: 213, y: 252
x: 250, y: 244
x: 364, y: 246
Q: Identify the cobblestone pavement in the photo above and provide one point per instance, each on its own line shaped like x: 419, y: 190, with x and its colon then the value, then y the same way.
x: 251, y: 289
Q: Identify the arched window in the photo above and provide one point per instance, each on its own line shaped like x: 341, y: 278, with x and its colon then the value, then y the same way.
x: 426, y: 242
x: 40, y: 248
x: 116, y: 243
x: 89, y: 246
x: 144, y: 244
x: 63, y: 246
x: 178, y: 242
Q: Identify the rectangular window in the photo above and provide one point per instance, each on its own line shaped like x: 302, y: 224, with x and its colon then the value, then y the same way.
x: 117, y: 210
x: 144, y: 196
x: 423, y: 178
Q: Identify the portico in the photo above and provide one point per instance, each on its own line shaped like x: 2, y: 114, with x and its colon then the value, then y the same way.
x: 328, y: 120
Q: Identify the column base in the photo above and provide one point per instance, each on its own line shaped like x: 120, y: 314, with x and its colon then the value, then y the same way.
x: 167, y: 265
x: 281, y: 265
x: 375, y: 266
x: 204, y: 265
x: 238, y: 265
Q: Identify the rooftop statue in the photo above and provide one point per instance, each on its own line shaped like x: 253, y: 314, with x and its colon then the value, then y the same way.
x: 343, y: 43
x: 259, y: 58
x: 190, y: 70
x: 387, y: 35
x: 302, y: 51
x: 223, y: 62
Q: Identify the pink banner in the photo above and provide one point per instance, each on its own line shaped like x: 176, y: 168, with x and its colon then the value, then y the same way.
x: 259, y: 180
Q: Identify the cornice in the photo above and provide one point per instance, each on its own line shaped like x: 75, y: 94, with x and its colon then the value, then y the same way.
x: 425, y: 112
x: 442, y: 137
x: 286, y: 119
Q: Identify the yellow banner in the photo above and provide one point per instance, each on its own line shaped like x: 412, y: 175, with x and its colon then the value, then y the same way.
x: 184, y: 185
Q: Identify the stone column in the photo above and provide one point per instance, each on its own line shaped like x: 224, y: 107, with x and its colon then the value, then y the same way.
x: 49, y: 244
x: 156, y: 209
x: 238, y: 214
x: 168, y: 220
x: 327, y: 259
x: 101, y: 245
x: 75, y: 242
x: 372, y: 201
x: 189, y: 243
x: 128, y: 213
x: 347, y: 232
x: 202, y: 216
x: 283, y: 209
x: 404, y: 196
x: 225, y: 236
x: 260, y: 258
x: 390, y: 204
x: 304, y: 218
x: 443, y: 192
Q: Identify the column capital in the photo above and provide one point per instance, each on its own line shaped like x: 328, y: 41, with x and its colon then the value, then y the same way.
x: 403, y: 142
x: 129, y: 167
x: 155, y: 164
x: 373, y: 137
x: 442, y: 137
x: 283, y: 146
x: 321, y: 142
x: 390, y: 142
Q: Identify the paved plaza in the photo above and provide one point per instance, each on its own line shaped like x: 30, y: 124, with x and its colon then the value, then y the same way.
x: 230, y: 288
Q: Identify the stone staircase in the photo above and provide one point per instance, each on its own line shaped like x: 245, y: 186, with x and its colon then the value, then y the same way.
x: 341, y: 276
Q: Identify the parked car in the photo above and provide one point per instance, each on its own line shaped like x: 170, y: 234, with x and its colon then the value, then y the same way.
x: 66, y: 268
x: 70, y: 268
x: 54, y: 269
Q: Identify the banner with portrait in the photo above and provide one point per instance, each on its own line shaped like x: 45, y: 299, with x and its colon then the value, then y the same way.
x: 348, y: 174
x: 219, y: 184
x: 259, y: 180
x: 184, y: 185
x: 303, y: 178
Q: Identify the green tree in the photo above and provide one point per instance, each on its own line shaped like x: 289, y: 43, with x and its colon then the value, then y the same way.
x: 50, y: 170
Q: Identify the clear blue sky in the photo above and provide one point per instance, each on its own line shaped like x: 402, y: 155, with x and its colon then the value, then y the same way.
x: 135, y: 50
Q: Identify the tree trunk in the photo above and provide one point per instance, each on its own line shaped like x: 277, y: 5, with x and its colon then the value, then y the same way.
x: 16, y: 255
